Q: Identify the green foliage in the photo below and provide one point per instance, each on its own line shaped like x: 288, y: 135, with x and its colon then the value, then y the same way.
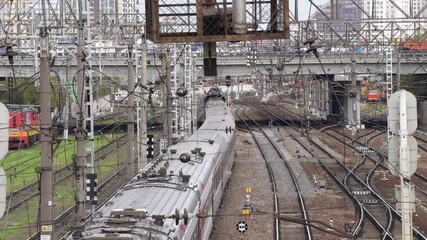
x: 20, y: 165
x: 24, y: 92
x: 21, y: 224
x: 102, y: 91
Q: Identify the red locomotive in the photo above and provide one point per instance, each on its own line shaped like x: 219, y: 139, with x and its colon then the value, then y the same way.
x: 374, y: 95
x: 372, y: 91
x: 410, y: 44
x: 23, y: 126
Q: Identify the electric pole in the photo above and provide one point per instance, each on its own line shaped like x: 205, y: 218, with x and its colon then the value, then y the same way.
x: 46, y: 176
x: 131, y: 116
x: 167, y: 101
x: 143, y: 105
x: 80, y: 162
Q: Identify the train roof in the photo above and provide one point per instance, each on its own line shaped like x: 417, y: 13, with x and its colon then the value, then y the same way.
x: 168, y: 183
x: 21, y: 108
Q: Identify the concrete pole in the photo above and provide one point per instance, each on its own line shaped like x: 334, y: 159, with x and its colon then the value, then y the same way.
x: 131, y: 117
x: 167, y: 99
x: 143, y: 112
x: 81, y: 128
x: 46, y: 176
x: 67, y: 98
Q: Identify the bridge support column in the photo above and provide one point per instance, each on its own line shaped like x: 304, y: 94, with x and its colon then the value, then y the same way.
x: 352, y: 110
x: 317, y: 95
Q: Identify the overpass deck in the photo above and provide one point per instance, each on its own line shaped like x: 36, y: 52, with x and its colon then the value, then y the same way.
x: 116, y: 65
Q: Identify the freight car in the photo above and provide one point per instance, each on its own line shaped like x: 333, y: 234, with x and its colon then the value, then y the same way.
x: 177, y: 195
x: 23, y: 126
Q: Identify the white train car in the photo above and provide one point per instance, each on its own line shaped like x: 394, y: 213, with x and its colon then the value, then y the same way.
x: 176, y: 196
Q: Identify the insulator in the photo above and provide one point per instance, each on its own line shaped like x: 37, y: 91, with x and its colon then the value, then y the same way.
x: 185, y: 216
x: 185, y: 158
x: 176, y: 216
x: 181, y: 92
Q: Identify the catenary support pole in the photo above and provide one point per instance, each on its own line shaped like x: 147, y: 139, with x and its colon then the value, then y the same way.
x: 131, y: 116
x: 143, y: 105
x: 46, y: 175
x: 80, y: 172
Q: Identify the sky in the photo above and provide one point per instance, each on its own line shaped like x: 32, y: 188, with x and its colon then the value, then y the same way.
x: 304, y: 7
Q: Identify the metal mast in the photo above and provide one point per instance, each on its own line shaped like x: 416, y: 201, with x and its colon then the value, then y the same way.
x: 46, y: 176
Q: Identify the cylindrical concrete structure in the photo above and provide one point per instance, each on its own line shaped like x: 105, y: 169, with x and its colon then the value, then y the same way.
x: 239, y: 16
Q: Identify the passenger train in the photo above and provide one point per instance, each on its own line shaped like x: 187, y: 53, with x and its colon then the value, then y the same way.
x: 177, y: 195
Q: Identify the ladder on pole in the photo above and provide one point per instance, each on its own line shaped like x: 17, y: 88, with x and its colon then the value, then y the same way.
x: 188, y: 68
x: 389, y: 71
x: 174, y: 86
x: 389, y: 79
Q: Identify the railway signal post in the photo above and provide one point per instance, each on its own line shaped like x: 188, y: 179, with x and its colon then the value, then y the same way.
x: 402, y: 107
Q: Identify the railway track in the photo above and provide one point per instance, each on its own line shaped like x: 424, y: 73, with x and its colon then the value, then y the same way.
x: 276, y: 165
x: 355, y: 189
x: 61, y: 222
x: 62, y: 177
x: 364, y: 177
x: 26, y: 193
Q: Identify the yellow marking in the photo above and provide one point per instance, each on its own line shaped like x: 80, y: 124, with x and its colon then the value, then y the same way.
x: 246, y: 211
x: 248, y: 190
x: 23, y: 133
x: 47, y: 228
